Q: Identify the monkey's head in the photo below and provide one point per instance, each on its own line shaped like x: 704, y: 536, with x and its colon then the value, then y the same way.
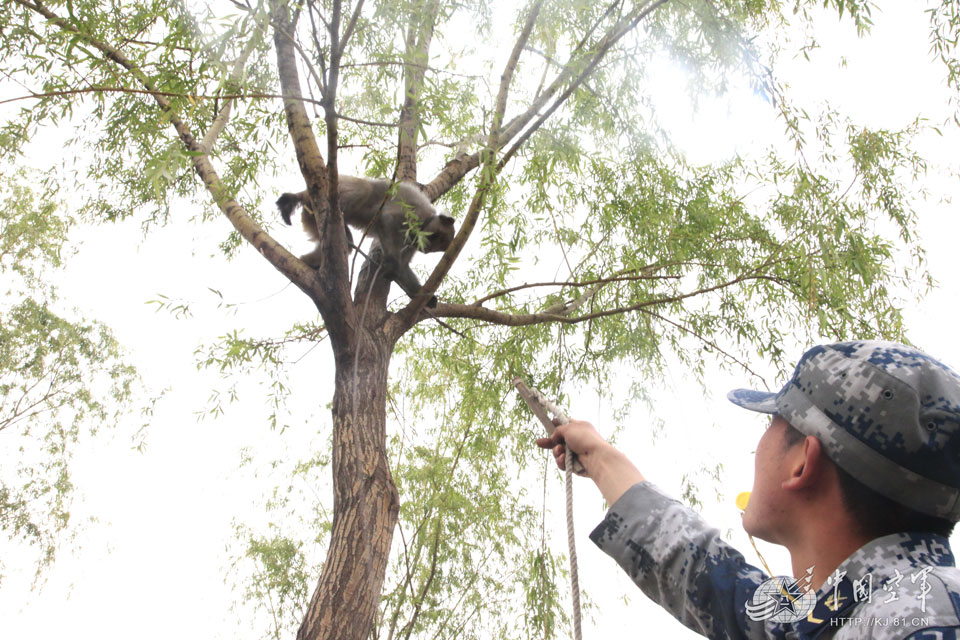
x: 440, y: 228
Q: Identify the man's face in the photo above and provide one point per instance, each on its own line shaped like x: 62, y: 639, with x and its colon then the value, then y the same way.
x: 766, y: 516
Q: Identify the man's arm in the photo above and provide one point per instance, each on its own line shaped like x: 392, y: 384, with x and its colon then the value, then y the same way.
x: 676, y: 558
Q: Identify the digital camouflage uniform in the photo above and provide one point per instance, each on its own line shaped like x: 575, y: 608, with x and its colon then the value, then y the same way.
x: 887, y: 414
x: 682, y: 563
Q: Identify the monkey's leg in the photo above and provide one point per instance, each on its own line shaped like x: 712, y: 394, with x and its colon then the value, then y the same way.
x: 404, y: 276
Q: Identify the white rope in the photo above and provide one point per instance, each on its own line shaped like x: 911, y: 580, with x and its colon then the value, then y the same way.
x: 571, y: 461
x: 572, y: 544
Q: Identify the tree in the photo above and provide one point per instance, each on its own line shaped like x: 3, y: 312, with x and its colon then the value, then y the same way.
x: 556, y: 153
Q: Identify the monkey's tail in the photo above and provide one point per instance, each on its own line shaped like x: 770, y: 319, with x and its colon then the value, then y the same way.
x: 288, y: 203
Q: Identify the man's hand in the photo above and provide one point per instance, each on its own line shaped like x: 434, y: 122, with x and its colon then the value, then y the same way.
x: 612, y: 472
x: 581, y: 436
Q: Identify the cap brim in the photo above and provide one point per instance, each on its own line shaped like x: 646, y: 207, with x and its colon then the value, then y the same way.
x: 759, y: 401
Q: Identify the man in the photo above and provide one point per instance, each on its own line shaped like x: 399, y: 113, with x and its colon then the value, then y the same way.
x: 858, y: 476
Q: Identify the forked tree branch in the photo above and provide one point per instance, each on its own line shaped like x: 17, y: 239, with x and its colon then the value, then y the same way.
x: 337, y: 307
x: 567, y: 307
x: 579, y: 66
x: 574, y: 73
x: 408, y: 317
x: 602, y: 50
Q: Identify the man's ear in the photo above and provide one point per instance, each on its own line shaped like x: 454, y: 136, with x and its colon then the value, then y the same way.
x: 805, y: 464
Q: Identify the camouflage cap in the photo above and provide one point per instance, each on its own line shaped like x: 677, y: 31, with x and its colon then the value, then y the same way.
x: 886, y: 413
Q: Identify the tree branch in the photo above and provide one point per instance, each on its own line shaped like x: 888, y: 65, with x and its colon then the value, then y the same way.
x: 601, y: 50
x: 620, y: 277
x: 351, y: 26
x: 506, y: 78
x: 330, y: 108
x: 165, y: 94
x: 412, y: 312
x: 401, y: 63
x: 318, y: 79
x: 311, y: 162
x: 434, y: 555
x: 406, y: 318
x: 285, y: 262
x: 173, y: 94
x: 417, y: 51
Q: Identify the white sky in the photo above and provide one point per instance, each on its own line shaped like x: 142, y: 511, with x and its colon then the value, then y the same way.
x: 156, y: 560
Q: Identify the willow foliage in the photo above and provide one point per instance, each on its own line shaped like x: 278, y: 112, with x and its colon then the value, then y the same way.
x: 62, y: 377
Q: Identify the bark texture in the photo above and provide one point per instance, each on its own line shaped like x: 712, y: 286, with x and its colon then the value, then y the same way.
x: 366, y: 504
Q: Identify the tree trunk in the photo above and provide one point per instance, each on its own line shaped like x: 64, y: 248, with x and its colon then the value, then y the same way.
x: 366, y: 504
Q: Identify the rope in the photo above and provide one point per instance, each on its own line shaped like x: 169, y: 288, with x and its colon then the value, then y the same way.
x: 572, y: 545
x: 571, y: 540
x: 540, y: 405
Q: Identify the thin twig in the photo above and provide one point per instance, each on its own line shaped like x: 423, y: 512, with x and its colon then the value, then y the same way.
x: 708, y: 342
x: 224, y: 115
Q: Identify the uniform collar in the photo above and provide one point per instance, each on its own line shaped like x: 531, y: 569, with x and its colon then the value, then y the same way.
x: 881, y: 559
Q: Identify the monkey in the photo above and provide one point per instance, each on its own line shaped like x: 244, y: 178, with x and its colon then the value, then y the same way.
x: 367, y: 204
